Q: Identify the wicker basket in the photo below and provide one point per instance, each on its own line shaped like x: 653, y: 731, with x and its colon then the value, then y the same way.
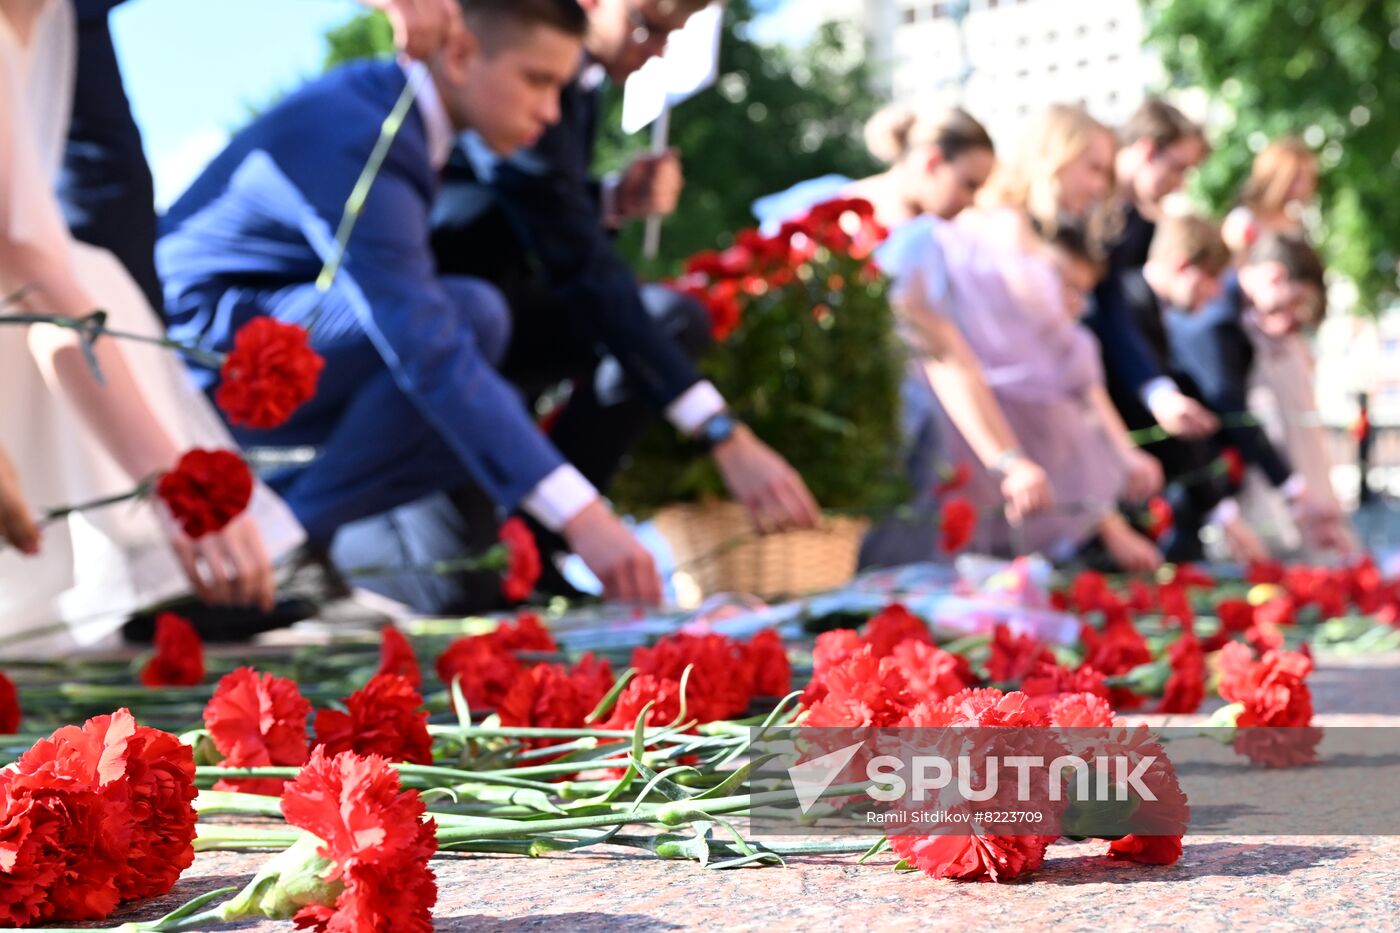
x: 716, y: 551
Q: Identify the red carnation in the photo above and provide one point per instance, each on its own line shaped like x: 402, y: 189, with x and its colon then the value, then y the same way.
x: 270, y: 373
x: 551, y: 696
x: 257, y: 721
x: 772, y: 674
x: 1047, y: 682
x: 385, y: 717
x: 1090, y: 593
x: 951, y: 479
x: 863, y: 690
x: 1146, y: 850
x: 720, y: 685
x: 396, y: 656
x: 1081, y: 711
x: 375, y: 834
x: 32, y: 855
x: 523, y: 561
x: 931, y: 673
x: 526, y: 633
x: 9, y: 706
x: 987, y: 707
x: 1273, y: 690
x: 1236, y: 615
x: 179, y: 657
x: 973, y: 857
x: 1234, y: 465
x: 206, y: 490
x: 1015, y: 655
x: 664, y: 695
x: 958, y: 524
x: 161, y: 791
x: 831, y: 649
x: 1159, y: 518
x: 1175, y: 602
x: 1278, y: 611
x: 485, y: 669
x: 893, y: 626
x: 1186, y: 687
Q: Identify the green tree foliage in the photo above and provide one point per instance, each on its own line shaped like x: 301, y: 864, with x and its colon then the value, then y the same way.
x: 1328, y: 71
x: 777, y: 116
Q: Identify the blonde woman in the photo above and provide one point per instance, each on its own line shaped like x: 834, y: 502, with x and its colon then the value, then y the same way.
x: 75, y: 438
x: 1281, y: 186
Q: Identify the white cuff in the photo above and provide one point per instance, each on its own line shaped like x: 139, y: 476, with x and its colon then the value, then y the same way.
x: 559, y: 497
x: 1294, y: 486
x: 696, y: 405
x: 1226, y: 513
x: 1156, y: 388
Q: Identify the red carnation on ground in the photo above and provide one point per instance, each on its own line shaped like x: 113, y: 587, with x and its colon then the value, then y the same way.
x: 396, y: 656
x: 375, y: 834
x: 1046, y: 683
x: 766, y: 657
x: 270, y: 373
x: 484, y: 668
x: 1278, y: 611
x: 1191, y: 575
x: 179, y: 657
x: 32, y: 857
x: 863, y: 690
x: 385, y: 717
x: 1175, y: 602
x: 973, y: 857
x: 257, y: 721
x: 664, y: 695
x: 1186, y: 687
x: 1273, y: 690
x: 523, y: 561
x: 206, y: 490
x: 526, y: 633
x: 160, y: 800
x: 988, y: 707
x: 1015, y: 655
x: 893, y: 626
x: 1236, y: 615
x: 1233, y: 465
x: 1116, y: 650
x: 1081, y: 711
x: 1090, y: 592
x: 552, y: 696
x: 720, y: 685
x: 1146, y: 850
x: 831, y: 649
x: 958, y: 524
x: 9, y: 706
x: 931, y: 673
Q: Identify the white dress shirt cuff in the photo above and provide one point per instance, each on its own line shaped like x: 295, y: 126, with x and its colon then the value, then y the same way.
x: 559, y: 497
x: 1226, y: 513
x: 1156, y: 388
x: 1294, y: 487
x: 696, y: 405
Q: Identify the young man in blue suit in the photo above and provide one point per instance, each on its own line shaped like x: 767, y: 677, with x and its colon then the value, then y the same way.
x: 410, y: 402
x: 540, y: 224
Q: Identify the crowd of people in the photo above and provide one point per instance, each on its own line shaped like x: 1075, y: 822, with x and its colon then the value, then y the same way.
x: 1053, y: 310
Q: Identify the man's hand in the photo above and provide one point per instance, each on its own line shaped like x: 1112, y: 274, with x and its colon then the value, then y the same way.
x: 1183, y: 416
x: 1027, y: 490
x: 1242, y: 543
x: 1129, y: 550
x: 764, y: 483
x: 625, y: 568
x: 652, y: 184
x: 420, y: 26
x: 16, y: 524
x: 1145, y: 478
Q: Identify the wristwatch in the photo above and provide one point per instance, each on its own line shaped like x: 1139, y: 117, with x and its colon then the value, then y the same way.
x: 1005, y: 461
x: 718, y: 429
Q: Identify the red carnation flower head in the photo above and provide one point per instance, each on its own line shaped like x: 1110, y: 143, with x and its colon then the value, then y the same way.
x: 206, y: 490
x: 1046, y: 683
x: 1082, y: 711
x: 953, y: 478
x: 374, y: 834
x: 765, y: 656
x: 931, y: 673
x: 32, y: 856
x: 1141, y: 597
x: 893, y: 626
x: 1233, y: 464
x: 1118, y: 649
x: 385, y: 717
x: 863, y: 690
x: 1280, y: 610
x: 1015, y: 655
x: 1191, y: 575
x: 257, y: 721
x: 1146, y: 850
x: 160, y: 800
x: 522, y: 561
x: 270, y: 373
x: 662, y: 693
x: 1175, y: 602
x: 1272, y: 691
x: 526, y: 633
x: 1159, y: 519
x: 1090, y: 593
x: 958, y: 524
x: 551, y: 696
x: 831, y: 649
x: 179, y: 657
x: 720, y: 685
x: 1186, y: 686
x: 1236, y: 615
x: 9, y: 706
x: 987, y: 707
x: 396, y: 656
x: 973, y: 857
x: 483, y: 667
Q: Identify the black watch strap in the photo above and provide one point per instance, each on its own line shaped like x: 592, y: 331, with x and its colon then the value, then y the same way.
x: 718, y: 429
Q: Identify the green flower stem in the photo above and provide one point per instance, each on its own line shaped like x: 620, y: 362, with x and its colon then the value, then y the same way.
x: 229, y: 839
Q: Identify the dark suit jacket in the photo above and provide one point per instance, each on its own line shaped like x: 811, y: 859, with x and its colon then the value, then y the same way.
x: 1211, y: 346
x: 260, y: 222
x: 551, y: 201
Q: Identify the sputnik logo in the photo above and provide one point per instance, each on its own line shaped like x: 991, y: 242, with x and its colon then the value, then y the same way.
x: 810, y: 779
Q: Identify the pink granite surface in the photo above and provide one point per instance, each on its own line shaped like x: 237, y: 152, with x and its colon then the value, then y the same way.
x: 1256, y: 883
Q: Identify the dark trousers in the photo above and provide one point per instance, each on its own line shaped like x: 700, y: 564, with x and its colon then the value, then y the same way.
x: 600, y: 422
x: 105, y: 187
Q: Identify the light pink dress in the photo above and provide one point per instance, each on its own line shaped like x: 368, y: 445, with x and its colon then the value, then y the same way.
x: 1039, y: 363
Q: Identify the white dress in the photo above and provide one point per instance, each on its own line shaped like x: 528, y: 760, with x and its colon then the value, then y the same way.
x: 94, y: 568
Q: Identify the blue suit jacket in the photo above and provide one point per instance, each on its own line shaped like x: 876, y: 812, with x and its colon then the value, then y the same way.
x: 261, y: 221
x: 549, y: 196
x: 1212, y: 347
